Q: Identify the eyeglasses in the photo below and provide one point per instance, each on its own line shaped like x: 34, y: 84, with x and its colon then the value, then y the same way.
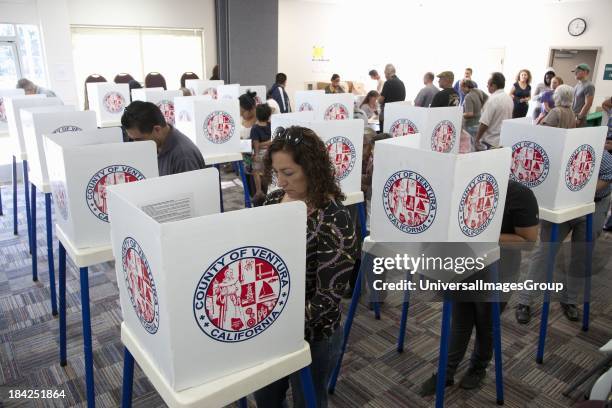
x: 289, y: 135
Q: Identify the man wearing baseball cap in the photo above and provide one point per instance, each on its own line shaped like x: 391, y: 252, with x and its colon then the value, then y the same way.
x: 584, y: 92
x: 447, y: 96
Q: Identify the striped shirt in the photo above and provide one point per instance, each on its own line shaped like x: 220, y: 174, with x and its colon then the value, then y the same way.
x: 605, y: 173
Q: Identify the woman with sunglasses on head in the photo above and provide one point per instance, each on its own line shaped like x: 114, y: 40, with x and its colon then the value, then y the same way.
x: 300, y: 162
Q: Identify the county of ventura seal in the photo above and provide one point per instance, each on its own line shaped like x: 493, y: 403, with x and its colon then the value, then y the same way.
x: 210, y: 91
x: 166, y: 107
x: 113, y: 102
x: 409, y: 202
x: 219, y: 127
x: 530, y: 164
x: 580, y: 167
x: 342, y: 154
x: 95, y: 192
x: 336, y: 111
x: 403, y: 127
x: 443, y: 137
x: 241, y: 294
x: 305, y: 106
x: 60, y: 198
x: 140, y: 284
x: 478, y: 204
x: 67, y: 128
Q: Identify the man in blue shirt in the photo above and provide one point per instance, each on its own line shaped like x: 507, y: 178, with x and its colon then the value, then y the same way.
x: 277, y: 92
x: 457, y: 87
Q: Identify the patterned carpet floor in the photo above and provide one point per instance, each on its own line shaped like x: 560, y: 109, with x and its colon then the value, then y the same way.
x: 373, y: 374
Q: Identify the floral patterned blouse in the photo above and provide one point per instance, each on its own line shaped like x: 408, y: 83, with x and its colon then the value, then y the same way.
x: 331, y: 251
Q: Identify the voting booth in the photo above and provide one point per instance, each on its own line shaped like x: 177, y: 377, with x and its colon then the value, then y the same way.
x: 163, y: 99
x: 307, y: 100
x: 560, y: 165
x: 204, y: 293
x: 81, y: 167
x: 425, y: 196
x: 3, y: 94
x: 230, y: 91
x: 13, y: 105
x: 199, y: 87
x: 183, y: 107
x: 438, y: 129
x: 214, y: 125
x: 335, y: 106
x: 48, y: 120
x: 108, y: 100
x: 286, y: 120
x: 260, y: 92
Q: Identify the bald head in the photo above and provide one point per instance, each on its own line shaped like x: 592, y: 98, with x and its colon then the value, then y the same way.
x: 389, y: 71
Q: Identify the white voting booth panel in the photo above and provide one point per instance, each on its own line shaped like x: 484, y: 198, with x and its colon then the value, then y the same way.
x: 438, y: 129
x: 183, y: 107
x: 260, y: 92
x: 160, y: 97
x: 48, y: 120
x: 81, y: 167
x: 344, y: 142
x: 200, y: 87
x: 206, y: 294
x: 560, y: 165
x: 307, y: 100
x: 3, y: 94
x: 13, y: 106
x: 286, y: 120
x: 214, y: 127
x: 335, y: 107
x: 230, y: 91
x: 108, y: 100
x: 425, y: 196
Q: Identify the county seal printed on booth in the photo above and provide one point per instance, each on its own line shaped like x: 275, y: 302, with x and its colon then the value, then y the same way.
x: 219, y: 127
x: 443, y: 137
x: 403, y: 127
x: 478, y: 204
x: 342, y: 154
x: 580, y: 167
x: 530, y: 164
x: 241, y: 294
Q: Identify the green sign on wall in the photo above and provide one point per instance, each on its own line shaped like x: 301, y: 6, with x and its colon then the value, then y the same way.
x: 608, y: 72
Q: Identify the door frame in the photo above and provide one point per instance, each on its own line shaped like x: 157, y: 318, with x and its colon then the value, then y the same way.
x: 568, y: 48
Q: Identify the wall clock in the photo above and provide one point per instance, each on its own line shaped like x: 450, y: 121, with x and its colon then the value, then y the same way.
x: 577, y: 27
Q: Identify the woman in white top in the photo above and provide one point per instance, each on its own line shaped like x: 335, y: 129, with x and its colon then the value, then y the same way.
x: 370, y: 105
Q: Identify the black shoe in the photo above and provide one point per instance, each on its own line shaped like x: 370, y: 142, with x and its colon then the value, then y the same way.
x: 472, y: 379
x: 570, y: 311
x: 523, y: 314
x: 429, y: 387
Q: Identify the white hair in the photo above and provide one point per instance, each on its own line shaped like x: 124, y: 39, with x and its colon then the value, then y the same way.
x: 564, y: 96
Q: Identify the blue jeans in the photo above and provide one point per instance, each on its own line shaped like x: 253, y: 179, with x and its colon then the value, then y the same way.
x: 324, y: 355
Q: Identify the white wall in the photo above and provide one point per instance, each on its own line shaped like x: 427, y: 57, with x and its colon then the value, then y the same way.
x: 54, y: 18
x: 439, y: 35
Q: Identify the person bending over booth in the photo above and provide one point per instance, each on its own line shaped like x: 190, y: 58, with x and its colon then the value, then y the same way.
x: 299, y: 160
x: 519, y: 226
x: 176, y: 153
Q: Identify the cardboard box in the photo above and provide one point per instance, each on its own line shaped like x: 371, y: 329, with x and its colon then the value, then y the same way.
x: 200, y: 87
x: 307, y: 100
x: 13, y: 106
x: 230, y: 91
x: 7, y: 93
x: 108, y: 100
x: 426, y: 196
x: 48, y: 120
x: 439, y: 129
x: 560, y: 165
x: 80, y: 170
x: 335, y: 107
x: 260, y: 92
x: 215, y: 124
x: 199, y: 289
x: 163, y: 99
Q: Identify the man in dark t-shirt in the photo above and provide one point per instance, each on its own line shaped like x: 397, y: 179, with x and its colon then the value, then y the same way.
x: 176, y: 153
x: 519, y: 226
x: 393, y: 91
x: 447, y: 96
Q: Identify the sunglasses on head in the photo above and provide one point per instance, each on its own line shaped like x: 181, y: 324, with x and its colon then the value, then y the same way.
x: 291, y: 137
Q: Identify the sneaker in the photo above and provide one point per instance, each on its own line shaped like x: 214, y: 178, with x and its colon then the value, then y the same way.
x: 570, y: 311
x: 523, y: 314
x: 472, y: 379
x: 429, y: 387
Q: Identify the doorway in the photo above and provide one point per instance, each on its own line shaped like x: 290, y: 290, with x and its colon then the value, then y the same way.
x: 564, y: 60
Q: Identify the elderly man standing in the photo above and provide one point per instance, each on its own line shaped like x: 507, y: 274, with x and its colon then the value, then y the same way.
x: 447, y: 96
x: 499, y: 108
x: 584, y: 92
x: 30, y: 88
x: 393, y: 91
x: 426, y: 95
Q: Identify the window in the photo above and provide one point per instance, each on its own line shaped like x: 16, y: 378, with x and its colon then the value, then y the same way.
x: 21, y: 55
x: 108, y: 51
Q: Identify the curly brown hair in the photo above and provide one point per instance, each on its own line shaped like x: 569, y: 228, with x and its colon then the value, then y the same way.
x: 518, y: 76
x: 310, y: 153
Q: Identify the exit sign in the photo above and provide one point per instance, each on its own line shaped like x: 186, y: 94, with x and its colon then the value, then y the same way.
x: 608, y: 72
